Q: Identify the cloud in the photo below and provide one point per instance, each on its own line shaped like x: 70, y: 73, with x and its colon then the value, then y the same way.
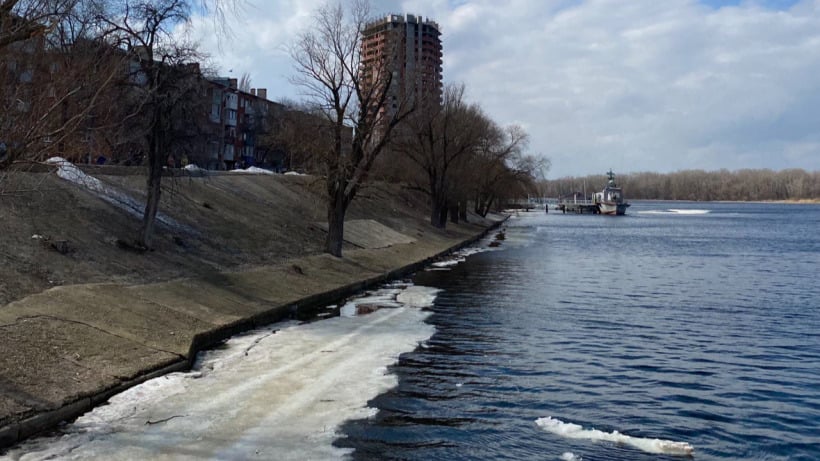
x: 633, y: 85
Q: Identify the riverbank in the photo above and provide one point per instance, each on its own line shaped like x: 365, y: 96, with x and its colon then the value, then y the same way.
x: 83, y: 319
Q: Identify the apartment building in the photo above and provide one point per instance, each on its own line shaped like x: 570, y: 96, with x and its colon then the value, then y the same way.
x: 238, y: 119
x: 212, y: 123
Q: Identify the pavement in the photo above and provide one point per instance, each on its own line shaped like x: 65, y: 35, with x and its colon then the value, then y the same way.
x: 70, y: 348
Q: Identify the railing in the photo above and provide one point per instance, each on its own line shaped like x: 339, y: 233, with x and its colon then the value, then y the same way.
x: 575, y: 201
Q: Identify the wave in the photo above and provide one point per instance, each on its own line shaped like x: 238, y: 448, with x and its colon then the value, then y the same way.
x: 575, y: 431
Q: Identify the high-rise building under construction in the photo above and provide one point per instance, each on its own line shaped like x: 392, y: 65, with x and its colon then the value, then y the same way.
x: 409, y: 47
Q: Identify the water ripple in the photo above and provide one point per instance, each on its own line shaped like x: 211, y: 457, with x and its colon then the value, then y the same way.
x: 701, y: 329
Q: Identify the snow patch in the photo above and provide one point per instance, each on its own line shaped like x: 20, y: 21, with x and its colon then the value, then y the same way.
x: 253, y: 170
x: 69, y: 172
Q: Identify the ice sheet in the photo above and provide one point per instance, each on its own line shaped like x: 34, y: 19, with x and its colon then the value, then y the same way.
x: 279, y: 392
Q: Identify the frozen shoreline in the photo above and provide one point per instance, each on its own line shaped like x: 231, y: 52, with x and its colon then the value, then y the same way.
x: 276, y: 392
x: 70, y: 345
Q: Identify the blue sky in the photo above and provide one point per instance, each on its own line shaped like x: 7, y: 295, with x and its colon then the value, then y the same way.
x: 633, y: 85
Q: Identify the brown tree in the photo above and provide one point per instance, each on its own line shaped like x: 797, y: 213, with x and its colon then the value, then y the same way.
x: 435, y: 139
x: 700, y: 185
x: 298, y: 135
x: 162, y: 78
x: 329, y: 69
x: 52, y: 83
x: 501, y: 168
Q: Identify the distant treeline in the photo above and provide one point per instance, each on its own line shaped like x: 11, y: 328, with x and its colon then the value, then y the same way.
x: 741, y: 185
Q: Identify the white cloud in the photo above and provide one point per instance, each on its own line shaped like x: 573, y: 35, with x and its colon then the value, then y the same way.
x: 632, y: 85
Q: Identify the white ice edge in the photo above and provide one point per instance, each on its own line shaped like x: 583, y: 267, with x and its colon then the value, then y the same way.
x: 676, y: 211
x: 458, y: 257
x: 575, y: 431
x: 280, y: 392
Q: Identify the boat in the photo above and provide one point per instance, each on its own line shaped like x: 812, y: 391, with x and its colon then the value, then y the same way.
x: 611, y: 199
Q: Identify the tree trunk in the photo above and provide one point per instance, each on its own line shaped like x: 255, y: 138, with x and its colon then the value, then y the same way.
x: 488, y: 206
x: 442, y: 217
x: 453, y: 212
x: 478, y: 205
x: 155, y: 163
x: 335, y: 224
x: 438, y: 208
x: 462, y: 210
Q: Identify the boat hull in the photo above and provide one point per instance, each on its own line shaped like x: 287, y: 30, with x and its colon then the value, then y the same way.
x: 614, y: 209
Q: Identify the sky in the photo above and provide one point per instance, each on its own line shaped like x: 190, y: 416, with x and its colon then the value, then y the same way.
x: 632, y: 85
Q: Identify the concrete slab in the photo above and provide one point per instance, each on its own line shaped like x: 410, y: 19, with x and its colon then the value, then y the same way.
x: 108, y: 308
x: 70, y: 347
x: 369, y: 233
x: 48, y: 362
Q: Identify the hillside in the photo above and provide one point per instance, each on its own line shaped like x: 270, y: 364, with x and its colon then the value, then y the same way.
x: 215, y: 223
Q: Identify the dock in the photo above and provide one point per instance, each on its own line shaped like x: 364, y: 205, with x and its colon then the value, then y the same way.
x: 577, y: 206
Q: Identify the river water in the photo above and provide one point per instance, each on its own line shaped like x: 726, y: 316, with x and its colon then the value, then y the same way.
x: 678, y: 330
x: 698, y: 324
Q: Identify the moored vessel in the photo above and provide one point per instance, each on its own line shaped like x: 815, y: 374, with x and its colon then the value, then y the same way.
x: 611, y: 199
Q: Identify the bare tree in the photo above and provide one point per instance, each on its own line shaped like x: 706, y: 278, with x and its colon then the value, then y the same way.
x: 435, y: 139
x: 329, y: 69
x: 700, y: 185
x: 298, y: 135
x: 22, y: 20
x: 52, y: 83
x: 161, y: 73
x: 501, y: 169
x: 244, y: 84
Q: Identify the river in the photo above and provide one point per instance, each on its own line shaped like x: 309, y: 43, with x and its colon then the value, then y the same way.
x: 680, y: 330
x: 688, y: 322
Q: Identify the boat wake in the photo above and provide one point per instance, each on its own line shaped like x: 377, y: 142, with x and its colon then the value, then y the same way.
x: 575, y: 431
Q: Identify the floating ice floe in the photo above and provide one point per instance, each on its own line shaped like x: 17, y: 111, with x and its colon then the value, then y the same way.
x: 676, y: 211
x: 457, y: 258
x: 448, y: 263
x: 679, y: 211
x: 569, y: 456
x: 575, y: 431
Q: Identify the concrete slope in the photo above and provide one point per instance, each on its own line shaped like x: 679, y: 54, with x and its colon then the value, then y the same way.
x: 68, y: 348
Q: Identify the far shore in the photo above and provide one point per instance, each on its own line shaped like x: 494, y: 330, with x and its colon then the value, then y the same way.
x: 802, y: 201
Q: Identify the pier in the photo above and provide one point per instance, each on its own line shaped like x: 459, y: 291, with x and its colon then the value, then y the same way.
x: 578, y: 204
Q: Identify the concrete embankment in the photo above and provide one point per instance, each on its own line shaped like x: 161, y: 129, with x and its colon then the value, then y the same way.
x: 71, y: 347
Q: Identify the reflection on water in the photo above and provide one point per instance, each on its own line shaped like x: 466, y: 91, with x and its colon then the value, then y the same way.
x: 695, y: 324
